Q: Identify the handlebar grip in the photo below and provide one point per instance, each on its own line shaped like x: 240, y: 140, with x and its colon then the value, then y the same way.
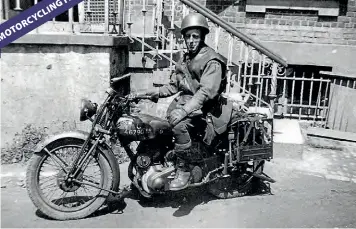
x: 157, y: 85
x: 143, y: 97
x: 153, y: 99
x: 117, y: 79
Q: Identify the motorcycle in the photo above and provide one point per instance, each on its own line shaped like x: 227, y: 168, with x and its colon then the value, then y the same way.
x: 71, y: 174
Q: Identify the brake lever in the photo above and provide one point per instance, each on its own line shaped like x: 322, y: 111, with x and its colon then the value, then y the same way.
x: 153, y: 99
x: 135, y: 100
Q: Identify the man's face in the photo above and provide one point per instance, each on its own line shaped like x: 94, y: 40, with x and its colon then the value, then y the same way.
x: 192, y: 38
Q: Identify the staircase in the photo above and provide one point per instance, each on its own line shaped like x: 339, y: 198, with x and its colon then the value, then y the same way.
x: 252, y: 68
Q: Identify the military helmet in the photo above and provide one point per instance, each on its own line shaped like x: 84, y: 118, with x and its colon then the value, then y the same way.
x: 194, y: 20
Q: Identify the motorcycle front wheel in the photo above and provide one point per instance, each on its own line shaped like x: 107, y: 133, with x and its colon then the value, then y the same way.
x: 67, y: 200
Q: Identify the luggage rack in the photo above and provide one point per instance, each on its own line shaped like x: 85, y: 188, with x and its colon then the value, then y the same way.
x: 253, y: 138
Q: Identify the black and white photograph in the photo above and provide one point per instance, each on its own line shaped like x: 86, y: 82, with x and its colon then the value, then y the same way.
x: 178, y: 113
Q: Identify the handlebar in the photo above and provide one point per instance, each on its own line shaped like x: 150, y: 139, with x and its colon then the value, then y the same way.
x: 136, y: 98
x: 143, y: 97
x: 117, y: 79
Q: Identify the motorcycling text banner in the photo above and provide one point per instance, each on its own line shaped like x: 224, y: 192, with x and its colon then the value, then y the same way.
x: 32, y: 18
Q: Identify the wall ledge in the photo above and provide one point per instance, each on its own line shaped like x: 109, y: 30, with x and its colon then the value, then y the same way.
x: 331, y: 134
x: 339, y: 57
x: 73, y: 39
x: 338, y: 74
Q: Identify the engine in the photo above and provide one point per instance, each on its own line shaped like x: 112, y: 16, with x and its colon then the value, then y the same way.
x: 153, y: 166
x: 156, y: 165
x: 156, y: 178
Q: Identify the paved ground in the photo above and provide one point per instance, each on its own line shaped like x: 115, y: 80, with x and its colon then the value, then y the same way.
x: 318, y: 191
x: 287, y: 131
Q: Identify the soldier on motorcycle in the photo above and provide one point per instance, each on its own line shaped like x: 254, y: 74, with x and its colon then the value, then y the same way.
x: 199, y: 77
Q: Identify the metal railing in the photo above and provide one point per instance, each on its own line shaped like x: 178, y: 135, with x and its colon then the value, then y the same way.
x: 323, y: 97
x: 254, y: 69
x: 303, y: 94
x: 233, y: 31
x: 251, y: 67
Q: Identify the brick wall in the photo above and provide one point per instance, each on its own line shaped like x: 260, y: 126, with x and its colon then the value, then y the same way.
x: 300, y: 27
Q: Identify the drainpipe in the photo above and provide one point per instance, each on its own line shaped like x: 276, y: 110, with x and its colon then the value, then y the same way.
x: 106, y: 16
x: 7, y: 9
x: 2, y: 5
x: 121, y: 16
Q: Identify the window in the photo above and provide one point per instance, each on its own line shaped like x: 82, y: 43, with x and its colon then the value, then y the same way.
x: 329, y: 8
x: 13, y: 7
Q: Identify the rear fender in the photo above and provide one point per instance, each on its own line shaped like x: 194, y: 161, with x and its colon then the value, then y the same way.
x: 82, y: 135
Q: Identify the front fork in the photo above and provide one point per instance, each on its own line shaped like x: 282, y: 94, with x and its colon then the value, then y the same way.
x: 81, y: 162
x: 83, y: 159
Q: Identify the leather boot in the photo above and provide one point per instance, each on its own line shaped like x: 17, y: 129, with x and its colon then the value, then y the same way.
x: 182, y: 177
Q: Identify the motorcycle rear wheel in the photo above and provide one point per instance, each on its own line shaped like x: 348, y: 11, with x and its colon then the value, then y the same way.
x: 230, y: 187
x: 237, y: 185
x: 72, y: 210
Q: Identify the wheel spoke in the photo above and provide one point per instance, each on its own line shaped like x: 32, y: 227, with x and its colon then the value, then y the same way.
x: 52, y: 164
x: 47, y: 179
x: 91, y: 165
x: 94, y: 182
x: 51, y: 185
x: 86, y: 165
x: 52, y: 193
x: 61, y: 197
x: 76, y: 196
x: 90, y: 176
x: 85, y: 189
x: 57, y: 160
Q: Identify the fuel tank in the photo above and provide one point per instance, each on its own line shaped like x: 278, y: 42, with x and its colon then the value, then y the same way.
x: 141, y: 127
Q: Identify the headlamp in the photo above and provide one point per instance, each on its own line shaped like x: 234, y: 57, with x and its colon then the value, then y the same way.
x: 87, y: 109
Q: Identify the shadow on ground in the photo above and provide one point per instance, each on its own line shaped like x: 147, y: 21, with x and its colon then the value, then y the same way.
x: 184, y: 201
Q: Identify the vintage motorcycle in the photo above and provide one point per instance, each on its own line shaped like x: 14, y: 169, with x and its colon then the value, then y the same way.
x: 71, y: 174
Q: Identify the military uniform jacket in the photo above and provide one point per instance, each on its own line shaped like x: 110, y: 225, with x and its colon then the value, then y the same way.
x: 207, y: 77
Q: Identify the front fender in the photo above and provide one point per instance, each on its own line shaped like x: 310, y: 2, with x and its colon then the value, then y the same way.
x: 78, y: 134
x: 52, y: 138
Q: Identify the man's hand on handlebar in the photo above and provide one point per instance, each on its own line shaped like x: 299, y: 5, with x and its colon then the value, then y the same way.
x: 131, y: 96
x: 136, y: 97
x: 151, y: 94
